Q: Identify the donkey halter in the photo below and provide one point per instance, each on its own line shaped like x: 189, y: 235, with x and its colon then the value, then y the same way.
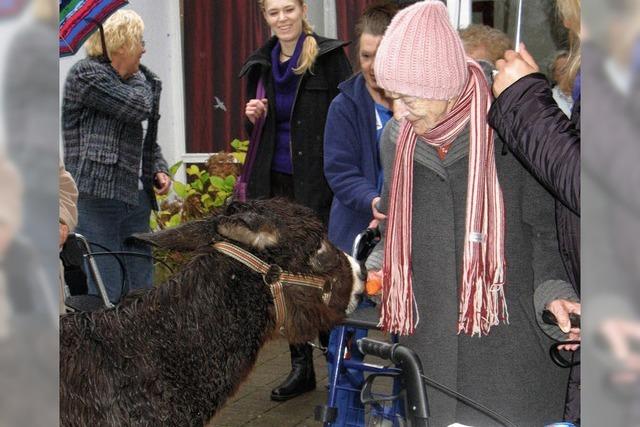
x: 274, y: 277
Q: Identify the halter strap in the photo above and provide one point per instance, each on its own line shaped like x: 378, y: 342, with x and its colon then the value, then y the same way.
x: 274, y: 277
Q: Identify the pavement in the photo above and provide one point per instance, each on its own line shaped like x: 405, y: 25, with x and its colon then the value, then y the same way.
x: 251, y: 405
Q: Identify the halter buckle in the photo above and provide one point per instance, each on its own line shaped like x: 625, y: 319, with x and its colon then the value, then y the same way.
x: 272, y: 275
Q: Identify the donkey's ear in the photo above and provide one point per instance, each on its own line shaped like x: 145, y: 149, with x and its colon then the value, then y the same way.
x: 249, y: 228
x: 186, y: 237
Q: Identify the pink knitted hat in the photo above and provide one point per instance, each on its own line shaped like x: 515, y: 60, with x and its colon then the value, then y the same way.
x: 421, y: 54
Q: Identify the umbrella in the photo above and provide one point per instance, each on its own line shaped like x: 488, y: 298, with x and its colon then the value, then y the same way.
x: 80, y: 18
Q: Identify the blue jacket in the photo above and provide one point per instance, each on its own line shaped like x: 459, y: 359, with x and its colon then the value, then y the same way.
x: 351, y: 161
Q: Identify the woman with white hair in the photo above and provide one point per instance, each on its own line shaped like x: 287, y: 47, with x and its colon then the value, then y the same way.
x: 109, y: 126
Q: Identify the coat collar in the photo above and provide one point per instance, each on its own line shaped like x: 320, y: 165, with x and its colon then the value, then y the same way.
x: 262, y: 56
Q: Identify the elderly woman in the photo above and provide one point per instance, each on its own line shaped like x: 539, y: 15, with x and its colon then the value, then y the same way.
x: 109, y: 127
x: 469, y: 233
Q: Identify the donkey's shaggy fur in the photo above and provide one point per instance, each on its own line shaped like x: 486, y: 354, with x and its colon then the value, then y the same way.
x: 174, y: 354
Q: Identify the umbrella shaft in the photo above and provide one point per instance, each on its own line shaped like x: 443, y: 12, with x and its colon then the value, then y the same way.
x: 519, y: 25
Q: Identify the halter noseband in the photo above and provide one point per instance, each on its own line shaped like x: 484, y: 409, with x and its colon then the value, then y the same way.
x: 274, y: 277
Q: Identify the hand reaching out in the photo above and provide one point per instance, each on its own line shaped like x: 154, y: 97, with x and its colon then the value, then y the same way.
x: 512, y: 68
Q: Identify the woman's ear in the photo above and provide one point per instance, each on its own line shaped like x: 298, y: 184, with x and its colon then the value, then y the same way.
x: 249, y: 228
x: 183, y: 238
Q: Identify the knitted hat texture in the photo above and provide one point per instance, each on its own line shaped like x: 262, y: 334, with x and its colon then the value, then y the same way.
x: 421, y: 54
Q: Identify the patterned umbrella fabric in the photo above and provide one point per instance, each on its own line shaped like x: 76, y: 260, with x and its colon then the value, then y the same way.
x: 80, y: 18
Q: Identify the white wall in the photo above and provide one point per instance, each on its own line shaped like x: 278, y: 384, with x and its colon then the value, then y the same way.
x: 164, y: 56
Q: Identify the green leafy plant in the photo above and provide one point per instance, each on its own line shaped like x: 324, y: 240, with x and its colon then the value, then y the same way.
x: 241, y: 148
x: 207, y: 187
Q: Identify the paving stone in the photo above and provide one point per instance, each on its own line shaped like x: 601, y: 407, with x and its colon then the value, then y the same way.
x: 251, y: 405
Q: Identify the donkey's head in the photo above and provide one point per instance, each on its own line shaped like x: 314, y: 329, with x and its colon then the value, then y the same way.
x: 289, y: 236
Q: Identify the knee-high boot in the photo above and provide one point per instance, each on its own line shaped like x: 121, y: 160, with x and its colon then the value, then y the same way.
x: 302, y: 377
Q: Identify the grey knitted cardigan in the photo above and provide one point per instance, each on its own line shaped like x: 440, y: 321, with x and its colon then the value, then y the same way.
x: 102, y: 119
x: 509, y: 370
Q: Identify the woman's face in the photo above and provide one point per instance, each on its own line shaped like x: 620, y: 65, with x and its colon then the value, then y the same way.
x: 285, y: 18
x: 424, y: 114
x: 128, y: 59
x: 367, y: 55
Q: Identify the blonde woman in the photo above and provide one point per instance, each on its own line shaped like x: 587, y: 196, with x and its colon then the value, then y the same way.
x: 300, y: 72
x: 109, y: 126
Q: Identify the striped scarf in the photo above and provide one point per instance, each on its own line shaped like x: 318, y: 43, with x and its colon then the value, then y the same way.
x: 482, y: 303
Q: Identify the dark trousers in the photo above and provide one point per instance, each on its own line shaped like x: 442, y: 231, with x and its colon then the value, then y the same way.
x: 108, y: 223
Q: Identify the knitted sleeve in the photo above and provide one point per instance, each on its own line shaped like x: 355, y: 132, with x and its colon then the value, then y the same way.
x: 96, y: 86
x: 547, y: 292
x: 538, y: 212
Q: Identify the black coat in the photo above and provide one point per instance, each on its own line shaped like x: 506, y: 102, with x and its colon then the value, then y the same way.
x: 315, y: 93
x: 547, y: 143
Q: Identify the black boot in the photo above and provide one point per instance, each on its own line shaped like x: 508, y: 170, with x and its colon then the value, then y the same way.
x: 301, y: 379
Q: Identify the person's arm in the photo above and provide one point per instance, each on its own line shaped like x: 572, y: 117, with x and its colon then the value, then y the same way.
x: 161, y: 178
x: 551, y: 287
x: 129, y: 101
x: 68, y: 199
x: 538, y: 133
x: 528, y: 119
x: 538, y: 212
x: 560, y: 298
x: 342, y: 160
x: 387, y: 156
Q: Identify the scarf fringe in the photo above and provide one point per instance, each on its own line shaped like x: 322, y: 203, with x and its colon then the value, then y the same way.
x: 482, y: 299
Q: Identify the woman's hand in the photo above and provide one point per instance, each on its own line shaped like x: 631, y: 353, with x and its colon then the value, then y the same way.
x: 162, y: 183
x: 512, y: 68
x: 255, y: 109
x: 64, y: 233
x: 561, y: 308
x: 377, y: 215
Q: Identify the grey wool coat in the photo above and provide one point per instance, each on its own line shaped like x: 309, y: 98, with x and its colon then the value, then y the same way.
x: 102, y: 119
x: 509, y: 370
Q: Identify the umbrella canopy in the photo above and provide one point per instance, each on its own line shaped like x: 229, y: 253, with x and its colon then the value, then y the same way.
x: 80, y: 18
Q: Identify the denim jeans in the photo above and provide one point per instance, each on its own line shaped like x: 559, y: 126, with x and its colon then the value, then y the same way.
x: 108, y: 223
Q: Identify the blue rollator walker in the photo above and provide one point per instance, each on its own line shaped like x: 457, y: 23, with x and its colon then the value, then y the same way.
x: 351, y: 400
x: 349, y: 391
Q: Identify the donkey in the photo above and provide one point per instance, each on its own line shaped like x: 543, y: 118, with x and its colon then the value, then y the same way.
x: 174, y: 354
